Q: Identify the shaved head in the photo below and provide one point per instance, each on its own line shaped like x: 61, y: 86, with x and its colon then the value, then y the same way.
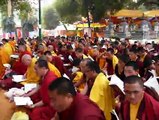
x: 26, y: 59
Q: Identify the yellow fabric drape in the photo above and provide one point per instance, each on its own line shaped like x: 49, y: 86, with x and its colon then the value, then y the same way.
x: 134, y: 111
x: 12, y: 43
x: 115, y: 61
x: 7, y: 49
x: 102, y: 94
x: 2, y: 69
x: 78, y: 77
x: 31, y: 76
x: 54, y: 69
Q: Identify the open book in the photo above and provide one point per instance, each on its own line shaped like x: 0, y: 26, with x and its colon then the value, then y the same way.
x: 152, y: 83
x: 14, y: 56
x: 18, y: 78
x: 30, y: 86
x: 20, y: 101
x: 115, y: 80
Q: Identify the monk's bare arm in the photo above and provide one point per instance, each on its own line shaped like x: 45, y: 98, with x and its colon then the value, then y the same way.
x: 38, y: 104
x: 35, y: 90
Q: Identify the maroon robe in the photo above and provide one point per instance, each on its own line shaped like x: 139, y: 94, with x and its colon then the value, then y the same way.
x: 82, y: 109
x: 59, y: 64
x: 110, y: 69
x: 148, y: 109
x: 45, y: 112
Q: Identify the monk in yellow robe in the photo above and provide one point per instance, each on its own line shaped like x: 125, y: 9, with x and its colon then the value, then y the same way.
x: 12, y: 42
x: 98, y: 88
x: 7, y: 48
x: 102, y: 94
x: 30, y: 75
x: 78, y: 81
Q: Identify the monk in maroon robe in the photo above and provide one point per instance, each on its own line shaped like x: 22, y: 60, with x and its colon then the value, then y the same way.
x: 55, y: 60
x: 42, y: 109
x: 71, y: 105
x: 18, y: 66
x: 138, y: 105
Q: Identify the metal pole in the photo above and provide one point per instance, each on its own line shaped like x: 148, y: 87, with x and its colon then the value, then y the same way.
x: 89, y: 24
x: 87, y: 2
x: 40, y: 19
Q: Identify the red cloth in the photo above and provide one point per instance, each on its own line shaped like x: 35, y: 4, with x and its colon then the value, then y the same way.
x: 148, y: 109
x: 49, y: 77
x: 59, y: 64
x: 8, y: 83
x: 110, y: 69
x: 45, y: 112
x: 82, y: 109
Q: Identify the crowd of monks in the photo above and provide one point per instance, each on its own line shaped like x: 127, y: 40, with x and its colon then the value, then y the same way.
x: 89, y: 64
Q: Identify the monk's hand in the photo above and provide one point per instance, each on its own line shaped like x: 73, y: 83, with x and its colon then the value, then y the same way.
x: 30, y: 106
x: 56, y: 117
x: 25, y: 95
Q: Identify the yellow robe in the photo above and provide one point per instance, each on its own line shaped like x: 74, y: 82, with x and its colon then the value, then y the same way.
x: 78, y: 77
x: 85, y: 56
x: 7, y: 49
x: 114, y: 61
x: 31, y: 76
x: 5, y: 58
x: 12, y: 43
x: 2, y: 69
x: 102, y: 94
x: 53, y: 53
x: 134, y: 111
x: 54, y: 69
x: 28, y: 48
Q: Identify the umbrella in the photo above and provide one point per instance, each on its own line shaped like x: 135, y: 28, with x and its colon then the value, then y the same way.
x: 92, y: 25
x: 151, y: 13
x: 129, y: 13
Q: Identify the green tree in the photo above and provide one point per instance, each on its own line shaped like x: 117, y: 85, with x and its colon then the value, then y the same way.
x: 8, y: 24
x: 24, y: 8
x: 143, y: 4
x: 50, y: 18
x: 75, y: 8
x: 68, y: 10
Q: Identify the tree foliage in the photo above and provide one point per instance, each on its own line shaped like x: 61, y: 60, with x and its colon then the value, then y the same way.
x: 24, y: 9
x: 146, y: 4
x: 8, y: 24
x: 98, y: 8
x: 67, y: 10
x: 50, y: 18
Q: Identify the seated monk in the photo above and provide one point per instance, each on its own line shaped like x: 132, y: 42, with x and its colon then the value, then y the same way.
x: 18, y: 66
x: 71, y: 105
x: 97, y: 87
x: 55, y: 60
x: 41, y: 110
x: 51, y: 66
x: 30, y: 75
x: 138, y: 104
